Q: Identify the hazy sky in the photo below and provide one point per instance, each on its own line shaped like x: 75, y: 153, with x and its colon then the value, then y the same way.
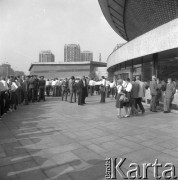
x: 29, y: 26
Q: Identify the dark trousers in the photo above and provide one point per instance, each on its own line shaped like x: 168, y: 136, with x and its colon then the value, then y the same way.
x: 91, y: 90
x: 13, y: 100
x: 41, y: 94
x: 54, y: 90
x: 103, y: 96
x: 134, y: 106
x: 83, y: 99
x: 35, y: 94
x: 112, y: 91
x: 107, y: 91
x: 48, y: 90
x: 80, y: 98
x: 25, y: 97
x: 153, y: 103
x: 139, y: 103
x: 1, y: 105
x: 64, y: 93
x: 18, y: 92
x: 31, y: 94
x: 167, y: 104
x: 6, y: 101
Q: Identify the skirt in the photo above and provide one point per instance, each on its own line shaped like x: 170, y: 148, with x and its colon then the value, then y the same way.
x: 127, y: 104
x: 119, y: 104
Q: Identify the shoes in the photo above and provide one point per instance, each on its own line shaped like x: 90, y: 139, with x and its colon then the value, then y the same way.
x: 126, y: 116
x: 154, y: 111
x: 143, y: 112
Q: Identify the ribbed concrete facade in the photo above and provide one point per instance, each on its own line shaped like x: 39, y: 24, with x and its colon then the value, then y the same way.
x: 151, y: 29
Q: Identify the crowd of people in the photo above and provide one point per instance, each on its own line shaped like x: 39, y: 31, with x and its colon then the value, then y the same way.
x: 129, y: 94
x: 15, y: 91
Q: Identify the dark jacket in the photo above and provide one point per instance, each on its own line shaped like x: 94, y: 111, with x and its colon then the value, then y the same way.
x: 25, y: 86
x: 31, y: 83
x: 153, y: 88
x: 42, y: 83
x: 80, y: 86
x: 135, y: 90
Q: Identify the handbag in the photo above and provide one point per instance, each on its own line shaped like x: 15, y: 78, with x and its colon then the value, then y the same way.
x: 123, y: 98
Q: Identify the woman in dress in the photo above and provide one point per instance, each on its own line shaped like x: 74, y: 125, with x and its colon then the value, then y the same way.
x: 127, y: 90
x: 119, y: 100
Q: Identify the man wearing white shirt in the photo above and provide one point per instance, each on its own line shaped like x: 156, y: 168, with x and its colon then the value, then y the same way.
x: 103, y: 89
x: 92, y: 85
x: 107, y: 88
x: 2, y: 107
x: 5, y: 95
x: 112, y: 88
x: 54, y: 86
x: 47, y: 87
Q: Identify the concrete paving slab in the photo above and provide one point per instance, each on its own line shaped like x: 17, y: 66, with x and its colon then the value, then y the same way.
x: 57, y: 140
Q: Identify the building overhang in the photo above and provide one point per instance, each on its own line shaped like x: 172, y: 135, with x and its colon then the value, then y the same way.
x: 162, y: 38
x: 114, y: 14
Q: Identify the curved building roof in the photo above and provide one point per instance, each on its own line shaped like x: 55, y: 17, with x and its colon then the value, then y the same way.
x: 132, y: 18
x: 160, y: 39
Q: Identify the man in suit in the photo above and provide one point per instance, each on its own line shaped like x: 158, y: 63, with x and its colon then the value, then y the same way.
x: 31, y: 89
x: 80, y: 92
x: 85, y: 89
x: 36, y: 87
x: 134, y: 96
x: 25, y: 89
x: 42, y: 84
x: 153, y: 92
x: 103, y: 90
x: 141, y: 93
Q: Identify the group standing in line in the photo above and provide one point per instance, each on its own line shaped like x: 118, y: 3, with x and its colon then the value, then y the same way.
x: 128, y: 93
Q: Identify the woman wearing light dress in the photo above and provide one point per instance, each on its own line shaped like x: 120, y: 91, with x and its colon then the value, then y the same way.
x: 119, y: 102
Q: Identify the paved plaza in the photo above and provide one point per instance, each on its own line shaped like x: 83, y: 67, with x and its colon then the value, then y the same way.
x: 63, y: 141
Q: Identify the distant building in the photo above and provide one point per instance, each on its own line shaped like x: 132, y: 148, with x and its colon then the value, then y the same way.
x: 65, y: 69
x: 151, y: 31
x: 101, y: 71
x: 72, y: 53
x: 46, y: 56
x: 86, y: 56
x: 6, y: 70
